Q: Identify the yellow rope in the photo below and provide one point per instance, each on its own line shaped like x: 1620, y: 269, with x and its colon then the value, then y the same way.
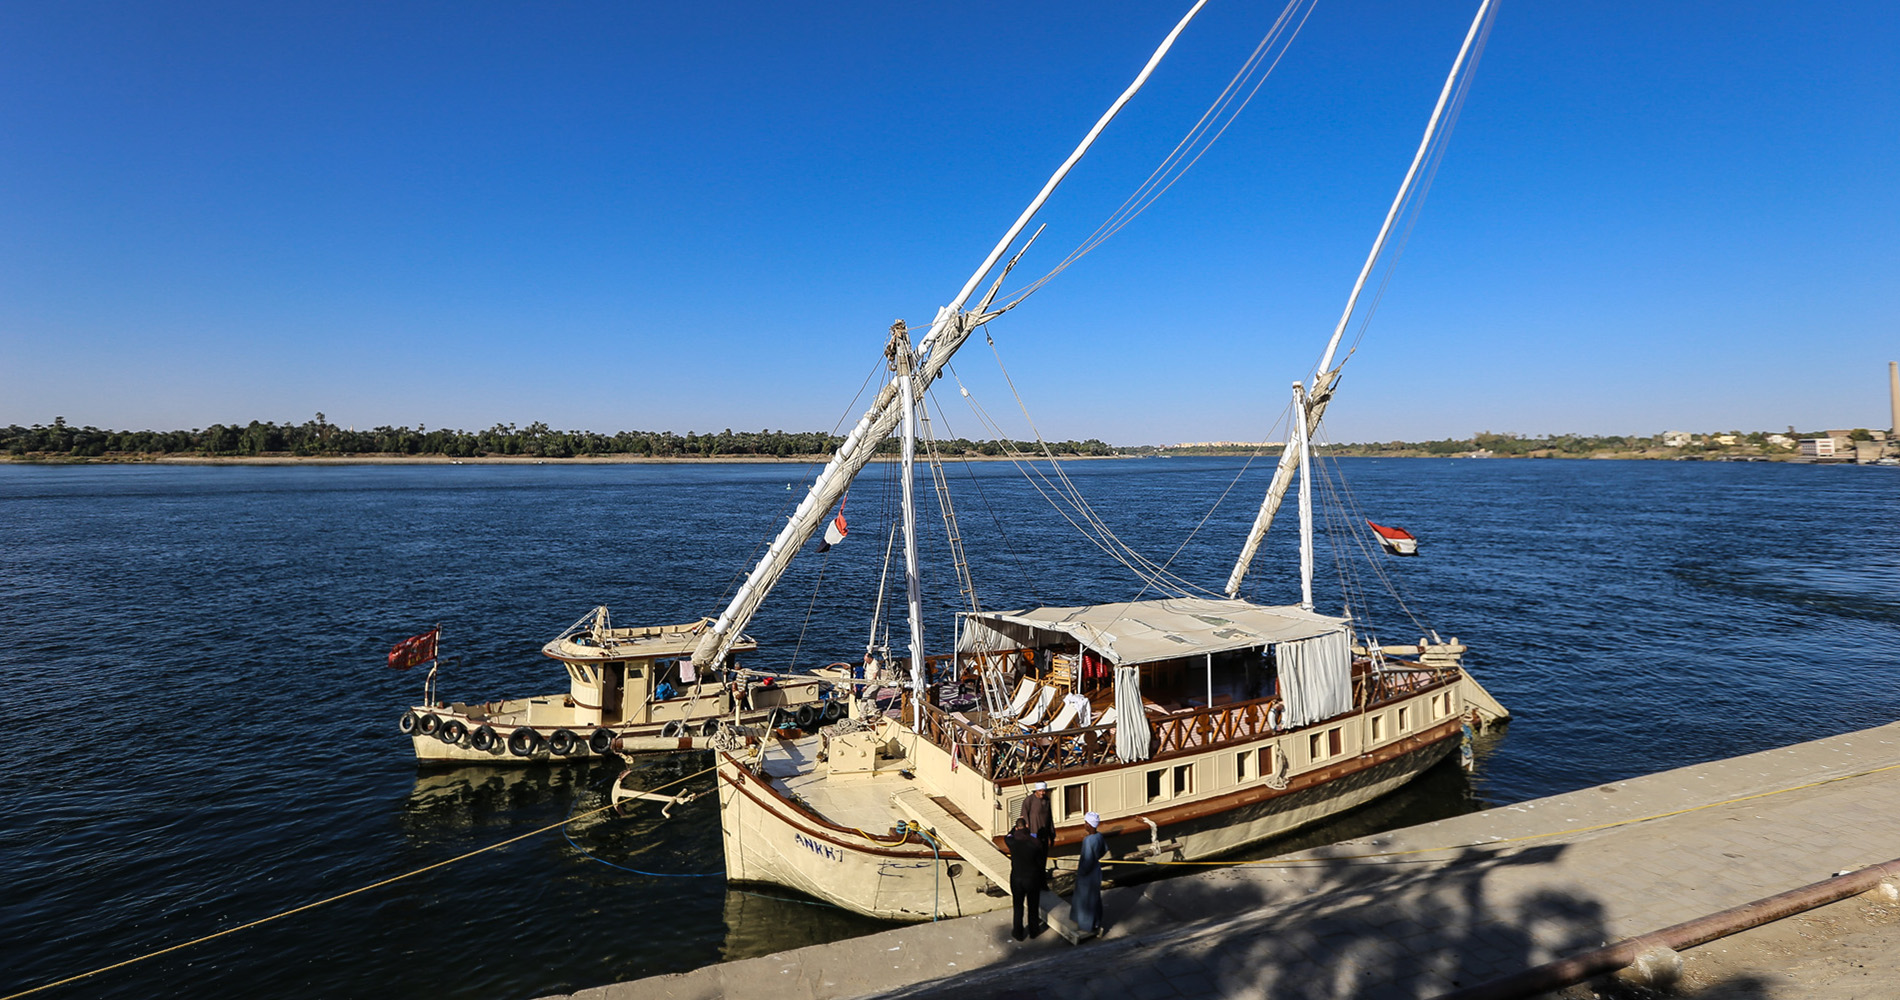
x: 1510, y: 840
x: 344, y: 895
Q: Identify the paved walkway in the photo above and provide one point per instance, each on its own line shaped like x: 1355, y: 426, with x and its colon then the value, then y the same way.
x: 1443, y: 905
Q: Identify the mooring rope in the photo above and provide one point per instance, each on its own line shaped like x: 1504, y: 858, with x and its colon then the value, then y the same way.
x: 342, y: 895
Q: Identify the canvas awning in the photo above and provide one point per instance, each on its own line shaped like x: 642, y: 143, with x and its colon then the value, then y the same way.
x: 1147, y: 631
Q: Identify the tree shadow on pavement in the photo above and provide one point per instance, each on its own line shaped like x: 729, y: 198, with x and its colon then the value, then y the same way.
x: 1316, y: 929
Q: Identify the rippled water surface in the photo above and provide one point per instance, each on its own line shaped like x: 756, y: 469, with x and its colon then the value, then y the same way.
x: 199, y: 731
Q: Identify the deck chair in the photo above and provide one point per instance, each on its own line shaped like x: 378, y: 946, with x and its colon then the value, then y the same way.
x: 1064, y: 719
x: 1034, y: 715
x: 1025, y: 689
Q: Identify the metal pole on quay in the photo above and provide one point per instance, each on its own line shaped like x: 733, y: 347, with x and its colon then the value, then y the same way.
x: 1610, y: 958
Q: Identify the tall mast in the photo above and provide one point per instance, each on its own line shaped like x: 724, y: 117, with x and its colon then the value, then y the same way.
x: 948, y: 331
x: 1325, y: 376
x: 913, y: 584
x: 1306, y: 496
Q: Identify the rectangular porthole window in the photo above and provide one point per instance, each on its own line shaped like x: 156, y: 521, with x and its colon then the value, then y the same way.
x: 1405, y: 718
x: 1242, y: 762
x: 1184, y: 779
x: 1266, y: 761
x: 1334, y: 744
x: 1378, y: 728
x: 1154, y: 785
x: 1315, y: 750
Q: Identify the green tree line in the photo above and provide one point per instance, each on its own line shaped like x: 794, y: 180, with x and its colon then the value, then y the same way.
x: 319, y: 437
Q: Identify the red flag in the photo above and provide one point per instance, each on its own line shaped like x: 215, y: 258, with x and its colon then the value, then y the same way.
x: 413, y: 650
x: 1397, y: 541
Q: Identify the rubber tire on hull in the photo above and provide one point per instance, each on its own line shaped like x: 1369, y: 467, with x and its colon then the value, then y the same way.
x: 709, y: 727
x: 808, y: 716
x: 452, y: 732
x: 834, y: 710
x: 484, y: 739
x: 564, y: 743
x: 428, y: 724
x: 407, y: 724
x: 672, y: 729
x: 524, y: 742
x: 601, y: 742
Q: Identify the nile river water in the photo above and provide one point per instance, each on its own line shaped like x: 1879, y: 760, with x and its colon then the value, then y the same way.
x: 199, y: 730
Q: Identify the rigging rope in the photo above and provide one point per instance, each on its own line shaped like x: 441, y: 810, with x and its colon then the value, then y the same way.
x: 1222, y: 113
x: 1415, y: 202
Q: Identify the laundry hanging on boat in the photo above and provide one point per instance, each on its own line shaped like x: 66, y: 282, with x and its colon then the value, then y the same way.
x: 834, y: 532
x: 1397, y: 541
x: 414, y: 650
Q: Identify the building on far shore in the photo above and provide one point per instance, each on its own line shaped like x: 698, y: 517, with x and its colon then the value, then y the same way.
x: 1817, y: 447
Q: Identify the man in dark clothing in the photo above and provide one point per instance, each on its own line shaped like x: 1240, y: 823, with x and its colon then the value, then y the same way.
x: 1038, y: 817
x: 1026, y: 860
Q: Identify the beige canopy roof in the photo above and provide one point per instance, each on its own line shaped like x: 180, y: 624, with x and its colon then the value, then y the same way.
x: 1147, y: 631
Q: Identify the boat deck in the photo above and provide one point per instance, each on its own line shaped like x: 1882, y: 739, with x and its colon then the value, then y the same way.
x: 860, y: 801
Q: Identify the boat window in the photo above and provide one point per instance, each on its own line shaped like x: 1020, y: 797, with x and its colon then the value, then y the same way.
x: 1334, y: 742
x: 1075, y: 800
x: 1378, y: 728
x: 1266, y: 761
x: 1242, y: 762
x: 1405, y: 718
x: 1184, y: 779
x: 1313, y: 748
x: 1154, y: 785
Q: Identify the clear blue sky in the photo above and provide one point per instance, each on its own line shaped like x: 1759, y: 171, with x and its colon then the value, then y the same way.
x: 699, y: 216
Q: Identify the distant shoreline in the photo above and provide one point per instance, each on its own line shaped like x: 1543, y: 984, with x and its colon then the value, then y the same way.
x: 328, y: 460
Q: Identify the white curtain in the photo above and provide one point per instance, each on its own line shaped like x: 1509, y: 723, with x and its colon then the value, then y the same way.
x: 1315, y: 677
x: 1131, y: 723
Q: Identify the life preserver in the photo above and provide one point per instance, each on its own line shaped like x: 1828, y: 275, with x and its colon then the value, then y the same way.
x: 524, y: 742
x: 563, y: 743
x: 601, y: 741
x: 484, y: 738
x: 452, y: 732
x: 428, y: 724
x: 407, y: 724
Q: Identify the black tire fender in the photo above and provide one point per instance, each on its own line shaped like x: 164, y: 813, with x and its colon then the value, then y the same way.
x: 601, y: 742
x: 808, y: 716
x: 428, y: 724
x: 709, y: 728
x: 452, y: 731
x: 564, y: 743
x: 523, y: 742
x: 407, y: 724
x: 671, y: 729
x: 484, y: 738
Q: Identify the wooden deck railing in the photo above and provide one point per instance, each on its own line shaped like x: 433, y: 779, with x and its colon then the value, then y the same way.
x: 1000, y: 756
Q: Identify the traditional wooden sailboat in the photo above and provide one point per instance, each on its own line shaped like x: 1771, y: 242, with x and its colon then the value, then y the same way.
x: 1193, y: 725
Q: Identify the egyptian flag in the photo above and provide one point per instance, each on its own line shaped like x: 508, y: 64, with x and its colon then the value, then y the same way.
x: 413, y: 650
x: 1397, y: 541
x: 834, y: 532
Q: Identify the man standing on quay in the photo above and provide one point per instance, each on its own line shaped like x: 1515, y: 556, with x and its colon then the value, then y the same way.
x: 1041, y: 822
x: 1026, y: 862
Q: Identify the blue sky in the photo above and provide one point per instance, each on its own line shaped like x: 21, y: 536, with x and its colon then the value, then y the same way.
x: 694, y: 217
